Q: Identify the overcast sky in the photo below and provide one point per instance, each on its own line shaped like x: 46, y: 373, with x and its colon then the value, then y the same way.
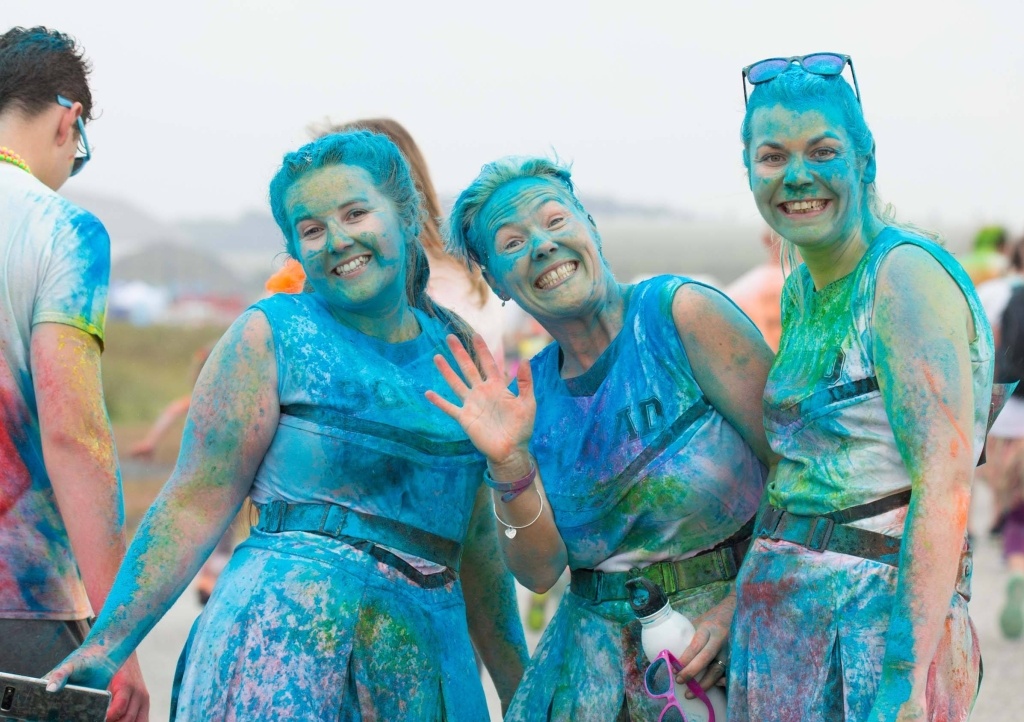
x: 199, y: 99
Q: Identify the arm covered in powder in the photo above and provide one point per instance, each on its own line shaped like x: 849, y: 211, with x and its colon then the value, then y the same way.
x: 230, y: 426
x: 491, y: 608
x: 500, y: 424
x: 78, y: 450
x: 730, y: 363
x: 922, y: 328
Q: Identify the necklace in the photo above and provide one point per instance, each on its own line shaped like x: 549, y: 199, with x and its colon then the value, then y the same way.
x: 9, y: 156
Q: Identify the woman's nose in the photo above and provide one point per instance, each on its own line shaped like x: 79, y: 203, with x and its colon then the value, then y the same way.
x: 543, y: 247
x: 797, y: 173
x: 338, y: 240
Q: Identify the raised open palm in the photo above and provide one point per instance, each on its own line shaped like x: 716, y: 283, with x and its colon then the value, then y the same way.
x: 498, y: 422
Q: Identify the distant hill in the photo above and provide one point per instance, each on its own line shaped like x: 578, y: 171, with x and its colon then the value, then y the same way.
x: 252, y: 233
x: 183, y: 270
x: 129, y: 226
x: 232, y: 256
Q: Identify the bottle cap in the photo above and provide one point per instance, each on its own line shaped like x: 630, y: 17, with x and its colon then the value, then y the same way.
x: 645, y: 597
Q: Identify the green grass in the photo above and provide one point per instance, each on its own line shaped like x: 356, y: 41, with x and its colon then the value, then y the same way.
x: 145, y: 367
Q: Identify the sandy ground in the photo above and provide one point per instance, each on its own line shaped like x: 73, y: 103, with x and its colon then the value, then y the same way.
x: 1002, y: 692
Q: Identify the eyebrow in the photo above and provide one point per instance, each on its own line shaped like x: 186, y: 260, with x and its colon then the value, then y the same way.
x: 302, y: 212
x: 543, y: 199
x: 827, y: 135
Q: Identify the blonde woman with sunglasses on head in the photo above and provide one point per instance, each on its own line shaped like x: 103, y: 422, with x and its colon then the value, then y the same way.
x: 852, y: 602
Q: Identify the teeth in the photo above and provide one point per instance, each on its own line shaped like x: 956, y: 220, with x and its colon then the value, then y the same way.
x: 352, y: 265
x: 804, y: 206
x: 557, y: 274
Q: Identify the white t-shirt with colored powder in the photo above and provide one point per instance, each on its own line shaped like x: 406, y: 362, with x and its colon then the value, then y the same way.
x: 54, y: 268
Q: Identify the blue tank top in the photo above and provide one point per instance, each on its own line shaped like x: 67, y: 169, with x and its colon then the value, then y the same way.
x: 355, y: 428
x: 824, y: 413
x: 637, y: 465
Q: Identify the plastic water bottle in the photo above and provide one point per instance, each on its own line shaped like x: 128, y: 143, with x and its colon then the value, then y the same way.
x: 662, y: 628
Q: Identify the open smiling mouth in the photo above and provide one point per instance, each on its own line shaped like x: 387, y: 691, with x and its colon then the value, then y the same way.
x: 552, y: 278
x: 351, y: 266
x: 804, y: 208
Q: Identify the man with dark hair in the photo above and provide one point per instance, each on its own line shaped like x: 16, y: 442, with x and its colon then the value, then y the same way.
x: 61, y: 510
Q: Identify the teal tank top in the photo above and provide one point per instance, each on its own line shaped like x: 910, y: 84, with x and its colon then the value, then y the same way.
x: 637, y: 465
x: 355, y: 428
x: 824, y: 414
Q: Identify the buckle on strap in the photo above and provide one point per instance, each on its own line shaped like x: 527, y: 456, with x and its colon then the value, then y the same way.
x: 770, y: 522
x: 820, y: 533
x: 272, y: 516
x: 667, y: 577
x: 726, y: 561
x: 333, y: 519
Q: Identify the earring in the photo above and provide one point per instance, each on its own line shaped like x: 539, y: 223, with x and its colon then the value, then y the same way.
x: 503, y: 302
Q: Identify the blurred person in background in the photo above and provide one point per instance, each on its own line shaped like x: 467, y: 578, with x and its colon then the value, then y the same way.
x: 1004, y: 471
x: 644, y: 453
x: 346, y: 601
x: 172, y: 413
x: 878, y: 404
x: 758, y: 292
x: 987, y: 258
x: 995, y: 293
x: 61, y: 508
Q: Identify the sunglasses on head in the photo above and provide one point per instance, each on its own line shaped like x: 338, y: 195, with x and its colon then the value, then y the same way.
x: 659, y: 681
x: 84, y: 154
x: 826, y: 64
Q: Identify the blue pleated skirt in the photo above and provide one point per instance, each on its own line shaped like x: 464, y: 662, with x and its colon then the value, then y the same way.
x: 809, y: 637
x: 304, y: 627
x: 589, y: 663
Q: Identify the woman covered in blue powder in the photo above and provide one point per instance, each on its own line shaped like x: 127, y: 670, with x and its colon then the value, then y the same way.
x: 642, y: 454
x: 346, y: 602
x: 852, y: 603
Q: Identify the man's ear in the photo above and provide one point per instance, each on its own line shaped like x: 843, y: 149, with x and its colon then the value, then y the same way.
x: 67, y: 126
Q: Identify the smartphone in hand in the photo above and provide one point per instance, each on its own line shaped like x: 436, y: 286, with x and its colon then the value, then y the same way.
x: 26, y: 698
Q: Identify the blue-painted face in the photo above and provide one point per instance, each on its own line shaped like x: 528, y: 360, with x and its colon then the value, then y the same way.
x: 348, y: 238
x: 807, y: 181
x: 539, y: 248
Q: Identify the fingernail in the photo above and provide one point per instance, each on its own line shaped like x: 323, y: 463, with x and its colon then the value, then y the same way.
x: 51, y: 687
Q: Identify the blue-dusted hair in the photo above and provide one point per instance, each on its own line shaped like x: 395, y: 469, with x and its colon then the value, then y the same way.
x: 800, y: 91
x: 372, y: 152
x: 462, y: 238
x: 380, y: 157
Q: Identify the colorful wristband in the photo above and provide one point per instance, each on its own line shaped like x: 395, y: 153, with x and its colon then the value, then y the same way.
x: 511, y: 489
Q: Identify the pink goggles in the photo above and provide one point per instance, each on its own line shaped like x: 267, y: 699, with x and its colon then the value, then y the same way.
x: 660, y: 684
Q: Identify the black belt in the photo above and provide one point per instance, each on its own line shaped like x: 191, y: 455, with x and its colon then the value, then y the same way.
x: 715, y: 565
x: 340, y: 522
x: 831, y: 531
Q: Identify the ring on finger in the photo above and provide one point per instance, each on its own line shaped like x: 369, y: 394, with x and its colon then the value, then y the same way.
x: 723, y: 664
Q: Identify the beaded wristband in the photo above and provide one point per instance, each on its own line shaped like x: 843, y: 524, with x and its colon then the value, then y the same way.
x: 511, y: 489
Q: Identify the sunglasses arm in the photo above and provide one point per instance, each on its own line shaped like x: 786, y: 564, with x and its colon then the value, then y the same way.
x: 856, y: 87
